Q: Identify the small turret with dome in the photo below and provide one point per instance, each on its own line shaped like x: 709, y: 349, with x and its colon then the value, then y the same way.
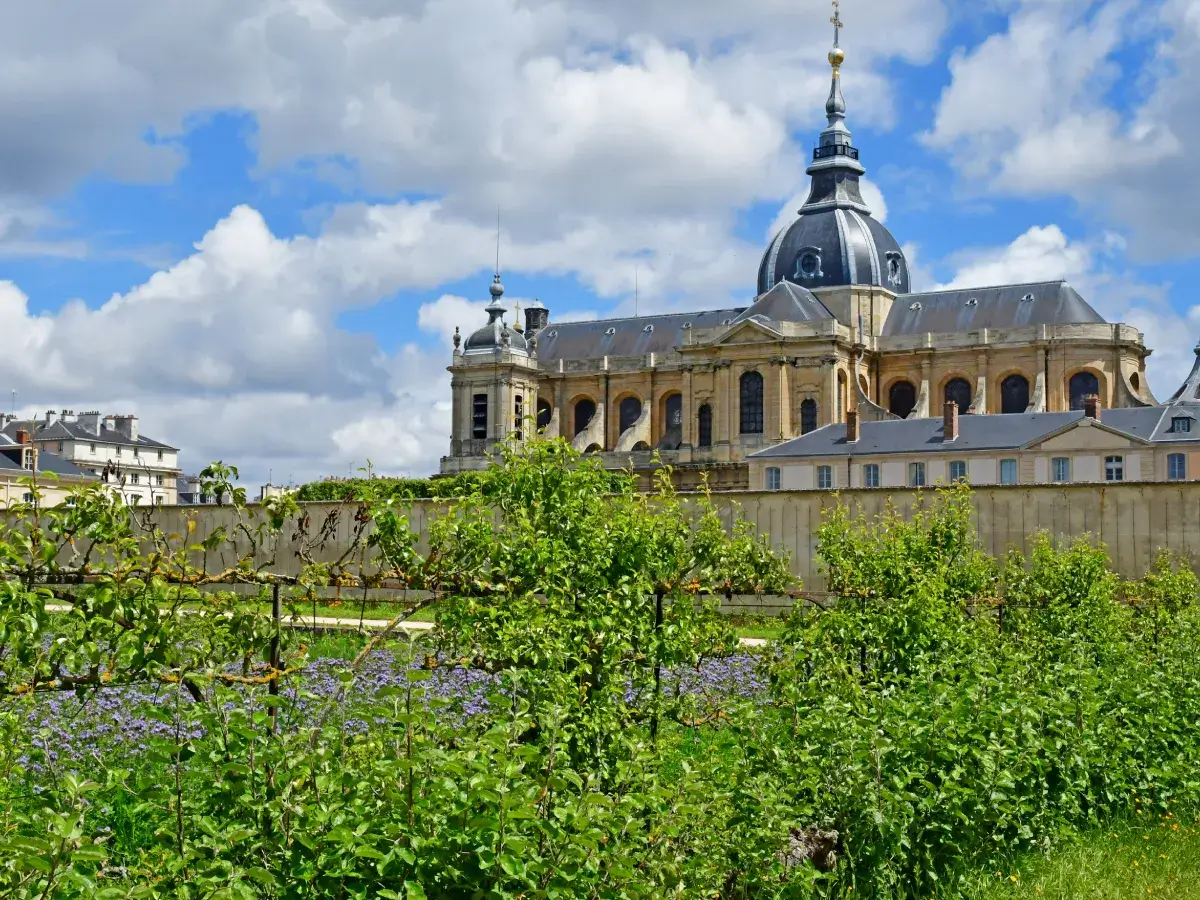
x: 496, y: 335
x: 834, y: 241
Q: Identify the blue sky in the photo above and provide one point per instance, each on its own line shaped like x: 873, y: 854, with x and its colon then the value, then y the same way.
x: 255, y: 224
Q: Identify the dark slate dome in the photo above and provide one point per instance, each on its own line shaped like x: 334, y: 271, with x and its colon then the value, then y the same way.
x: 495, y: 334
x: 833, y: 247
x: 835, y: 241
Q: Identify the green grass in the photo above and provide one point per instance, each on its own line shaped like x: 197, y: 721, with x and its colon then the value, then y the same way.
x: 1150, y: 856
x: 768, y: 628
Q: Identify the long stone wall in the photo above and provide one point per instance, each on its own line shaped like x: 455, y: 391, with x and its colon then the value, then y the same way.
x: 1134, y: 520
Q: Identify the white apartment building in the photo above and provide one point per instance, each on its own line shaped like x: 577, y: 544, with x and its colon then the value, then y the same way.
x: 143, y: 470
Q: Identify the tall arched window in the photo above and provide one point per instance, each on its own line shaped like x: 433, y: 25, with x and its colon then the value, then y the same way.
x: 1014, y: 394
x: 675, y: 411
x: 808, y: 416
x: 628, y: 412
x: 751, y: 395
x: 1081, y: 385
x: 672, y: 427
x: 545, y: 413
x: 902, y: 399
x: 959, y: 390
x: 704, y: 421
x: 584, y: 410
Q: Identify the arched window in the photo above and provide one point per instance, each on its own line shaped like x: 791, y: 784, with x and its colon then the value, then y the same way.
x: 545, y: 413
x: 1014, y: 394
x: 672, y: 427
x: 752, y: 403
x: 808, y: 416
x: 959, y: 390
x: 628, y: 412
x: 704, y: 420
x: 584, y: 410
x: 675, y: 411
x: 902, y: 399
x: 1081, y: 385
x: 841, y: 397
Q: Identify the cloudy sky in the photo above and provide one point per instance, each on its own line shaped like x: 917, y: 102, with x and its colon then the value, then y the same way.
x: 255, y: 223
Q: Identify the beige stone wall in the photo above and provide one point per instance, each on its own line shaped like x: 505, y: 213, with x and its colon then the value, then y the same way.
x: 1134, y: 520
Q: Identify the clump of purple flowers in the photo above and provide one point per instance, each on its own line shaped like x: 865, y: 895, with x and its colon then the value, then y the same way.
x: 69, y: 733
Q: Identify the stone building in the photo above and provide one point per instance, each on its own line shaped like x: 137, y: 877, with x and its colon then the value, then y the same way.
x: 111, y: 448
x: 834, y: 327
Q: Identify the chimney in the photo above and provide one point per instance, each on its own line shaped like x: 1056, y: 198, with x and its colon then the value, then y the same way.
x: 950, y: 421
x: 49, y: 417
x: 852, y: 426
x: 22, y: 436
x: 127, y: 426
x: 90, y: 421
x: 1091, y: 407
x: 537, y: 317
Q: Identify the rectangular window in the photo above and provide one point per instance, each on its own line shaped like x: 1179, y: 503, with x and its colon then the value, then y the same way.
x: 118, y: 449
x: 1177, y: 467
x: 60, y: 446
x: 479, y: 417
x: 158, y: 479
x: 158, y: 501
x: 1114, y: 468
x: 1060, y: 469
x: 958, y: 470
x: 1181, y: 425
x: 916, y: 474
x: 1008, y: 471
x: 772, y: 479
x: 135, y: 451
x: 29, y: 498
x: 519, y: 417
x: 870, y: 475
x: 134, y: 478
x: 825, y: 478
x: 160, y: 456
x: 91, y: 448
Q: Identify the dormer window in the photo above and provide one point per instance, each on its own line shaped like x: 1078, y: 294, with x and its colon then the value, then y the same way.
x: 974, y: 301
x: 915, y: 307
x: 1028, y: 298
x: 649, y: 329
x: 1181, y: 425
x: 610, y: 332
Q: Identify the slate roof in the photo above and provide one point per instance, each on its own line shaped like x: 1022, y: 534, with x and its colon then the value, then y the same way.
x: 46, y: 462
x: 975, y: 432
x: 73, y: 431
x: 1003, y: 306
x: 629, y: 337
x: 787, y: 302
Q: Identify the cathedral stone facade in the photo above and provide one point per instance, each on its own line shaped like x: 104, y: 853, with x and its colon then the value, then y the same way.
x: 834, y: 327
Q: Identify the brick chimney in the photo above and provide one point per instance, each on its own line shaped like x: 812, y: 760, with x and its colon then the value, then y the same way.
x: 852, y: 426
x: 950, y: 421
x: 1091, y: 407
x: 22, y: 436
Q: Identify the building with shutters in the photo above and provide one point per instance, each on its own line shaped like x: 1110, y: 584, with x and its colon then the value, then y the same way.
x: 834, y: 328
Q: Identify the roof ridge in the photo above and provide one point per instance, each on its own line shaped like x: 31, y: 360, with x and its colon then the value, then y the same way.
x: 988, y: 287
x: 699, y: 312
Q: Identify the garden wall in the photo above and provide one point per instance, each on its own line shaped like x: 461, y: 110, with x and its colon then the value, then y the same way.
x: 1134, y: 520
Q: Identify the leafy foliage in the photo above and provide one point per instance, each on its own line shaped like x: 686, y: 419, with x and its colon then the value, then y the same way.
x: 565, y: 730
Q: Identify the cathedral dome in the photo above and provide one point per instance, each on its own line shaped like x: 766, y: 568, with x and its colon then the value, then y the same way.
x: 834, y: 241
x: 833, y: 247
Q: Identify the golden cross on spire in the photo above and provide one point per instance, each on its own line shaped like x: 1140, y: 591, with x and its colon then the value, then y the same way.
x: 836, y: 21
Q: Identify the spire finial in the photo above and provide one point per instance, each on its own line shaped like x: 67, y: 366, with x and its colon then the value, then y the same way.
x: 836, y: 56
